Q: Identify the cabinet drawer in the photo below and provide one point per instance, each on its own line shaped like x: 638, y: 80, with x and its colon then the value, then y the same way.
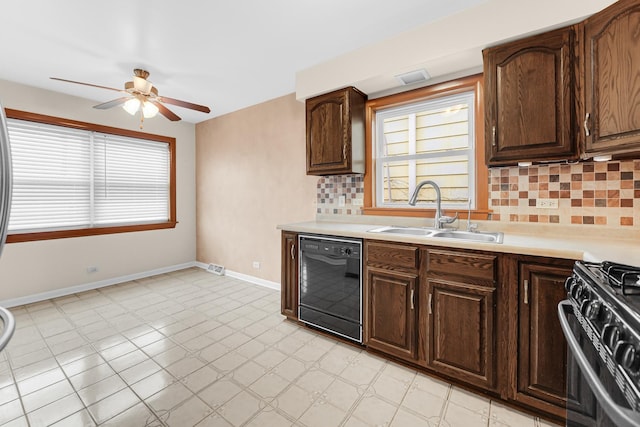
x: 476, y: 266
x: 393, y: 255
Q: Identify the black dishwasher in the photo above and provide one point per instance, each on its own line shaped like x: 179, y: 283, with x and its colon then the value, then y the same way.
x: 330, y: 280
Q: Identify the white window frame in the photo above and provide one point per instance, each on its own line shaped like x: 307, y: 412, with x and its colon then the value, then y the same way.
x: 444, y: 101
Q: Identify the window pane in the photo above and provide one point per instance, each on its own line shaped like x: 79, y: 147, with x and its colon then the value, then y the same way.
x: 428, y: 140
x: 395, y: 182
x: 396, y: 136
x: 131, y: 180
x: 51, y: 176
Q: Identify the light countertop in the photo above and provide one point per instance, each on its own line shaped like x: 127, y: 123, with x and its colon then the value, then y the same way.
x: 586, y: 243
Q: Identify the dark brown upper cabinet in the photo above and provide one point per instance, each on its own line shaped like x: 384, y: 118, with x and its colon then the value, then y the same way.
x: 529, y: 107
x: 611, y: 73
x: 335, y: 133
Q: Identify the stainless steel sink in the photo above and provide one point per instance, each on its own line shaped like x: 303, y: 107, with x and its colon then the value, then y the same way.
x: 476, y: 236
x: 412, y: 231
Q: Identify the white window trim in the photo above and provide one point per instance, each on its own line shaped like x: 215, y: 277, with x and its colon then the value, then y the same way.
x: 443, y: 101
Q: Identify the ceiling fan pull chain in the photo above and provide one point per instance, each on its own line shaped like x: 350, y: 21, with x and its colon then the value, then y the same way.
x: 141, y: 118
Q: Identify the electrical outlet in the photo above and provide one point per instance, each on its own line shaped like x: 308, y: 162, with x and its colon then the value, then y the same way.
x: 92, y: 269
x: 547, y: 203
x: 256, y: 265
x: 342, y: 200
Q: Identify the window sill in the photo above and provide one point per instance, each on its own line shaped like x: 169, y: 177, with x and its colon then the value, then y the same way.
x: 480, y: 214
x: 81, y: 232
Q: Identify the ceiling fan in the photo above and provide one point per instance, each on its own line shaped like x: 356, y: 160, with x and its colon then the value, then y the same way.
x: 142, y: 95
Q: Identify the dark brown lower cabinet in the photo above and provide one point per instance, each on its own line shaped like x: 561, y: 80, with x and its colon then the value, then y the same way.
x: 460, y: 323
x: 392, y: 314
x: 542, y: 349
x: 289, y: 276
x: 478, y: 318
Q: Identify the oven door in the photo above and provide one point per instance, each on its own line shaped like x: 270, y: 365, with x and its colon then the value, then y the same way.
x: 593, y: 397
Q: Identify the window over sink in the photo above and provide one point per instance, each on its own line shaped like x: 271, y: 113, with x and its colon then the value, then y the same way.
x: 433, y: 133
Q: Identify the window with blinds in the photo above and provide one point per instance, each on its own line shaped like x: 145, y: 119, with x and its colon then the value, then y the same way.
x: 431, y: 139
x: 66, y: 178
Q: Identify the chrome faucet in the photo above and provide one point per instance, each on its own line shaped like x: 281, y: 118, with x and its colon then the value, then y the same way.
x: 439, y: 219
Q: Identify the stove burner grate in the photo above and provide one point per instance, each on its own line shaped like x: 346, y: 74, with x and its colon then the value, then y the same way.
x: 625, y: 277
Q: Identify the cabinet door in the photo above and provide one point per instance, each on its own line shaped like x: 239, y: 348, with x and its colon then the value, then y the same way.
x: 461, y: 325
x: 529, y: 109
x: 392, y: 318
x: 289, y: 279
x: 612, y: 83
x: 542, y: 349
x: 335, y: 133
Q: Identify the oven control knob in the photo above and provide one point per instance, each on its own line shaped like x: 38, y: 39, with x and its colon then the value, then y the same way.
x: 584, y: 307
x: 346, y: 251
x: 625, y: 354
x: 576, y: 290
x: 593, y: 310
x: 605, y: 315
x: 610, y: 335
x: 569, y: 283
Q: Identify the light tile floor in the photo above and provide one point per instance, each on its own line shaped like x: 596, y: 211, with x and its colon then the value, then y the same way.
x: 190, y: 348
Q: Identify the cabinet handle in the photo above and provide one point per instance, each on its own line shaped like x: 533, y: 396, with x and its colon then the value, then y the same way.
x: 344, y: 151
x: 430, y: 304
x: 293, y: 248
x: 493, y: 136
x: 412, y: 302
x: 526, y: 291
x: 586, y: 124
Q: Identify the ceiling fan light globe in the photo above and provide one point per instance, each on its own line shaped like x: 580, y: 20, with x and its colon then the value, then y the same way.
x: 149, y: 110
x: 132, y: 106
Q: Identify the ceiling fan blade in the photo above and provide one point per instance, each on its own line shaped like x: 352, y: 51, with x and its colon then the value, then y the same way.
x: 165, y: 111
x: 185, y: 104
x: 86, y: 84
x: 111, y: 104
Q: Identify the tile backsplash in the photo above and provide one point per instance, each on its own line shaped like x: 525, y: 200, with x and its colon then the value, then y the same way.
x: 330, y: 188
x: 587, y: 193
x: 606, y: 194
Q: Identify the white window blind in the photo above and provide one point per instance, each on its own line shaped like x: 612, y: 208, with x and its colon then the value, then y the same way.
x: 431, y: 139
x: 66, y: 178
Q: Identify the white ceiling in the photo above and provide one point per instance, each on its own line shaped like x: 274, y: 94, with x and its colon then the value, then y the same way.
x: 226, y: 55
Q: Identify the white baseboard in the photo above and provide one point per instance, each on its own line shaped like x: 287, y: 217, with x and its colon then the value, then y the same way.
x: 251, y: 279
x: 93, y: 285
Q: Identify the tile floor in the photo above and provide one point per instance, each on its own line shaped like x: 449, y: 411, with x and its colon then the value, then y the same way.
x: 190, y: 348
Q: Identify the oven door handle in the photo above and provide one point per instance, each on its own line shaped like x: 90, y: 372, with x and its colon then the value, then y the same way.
x: 621, y: 416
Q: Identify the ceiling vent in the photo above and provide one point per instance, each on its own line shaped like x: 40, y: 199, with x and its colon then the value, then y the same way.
x: 412, y: 77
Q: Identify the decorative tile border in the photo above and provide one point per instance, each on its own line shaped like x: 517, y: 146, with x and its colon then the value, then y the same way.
x: 587, y: 193
x: 330, y: 188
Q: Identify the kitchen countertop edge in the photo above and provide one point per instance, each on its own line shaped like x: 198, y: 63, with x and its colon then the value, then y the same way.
x: 595, y: 249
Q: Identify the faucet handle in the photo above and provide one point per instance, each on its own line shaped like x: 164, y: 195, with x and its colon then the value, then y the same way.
x: 448, y: 219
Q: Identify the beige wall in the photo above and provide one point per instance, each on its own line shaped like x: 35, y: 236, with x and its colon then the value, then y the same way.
x: 32, y: 268
x: 250, y: 174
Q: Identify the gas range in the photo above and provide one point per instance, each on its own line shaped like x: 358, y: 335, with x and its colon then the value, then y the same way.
x: 606, y: 302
